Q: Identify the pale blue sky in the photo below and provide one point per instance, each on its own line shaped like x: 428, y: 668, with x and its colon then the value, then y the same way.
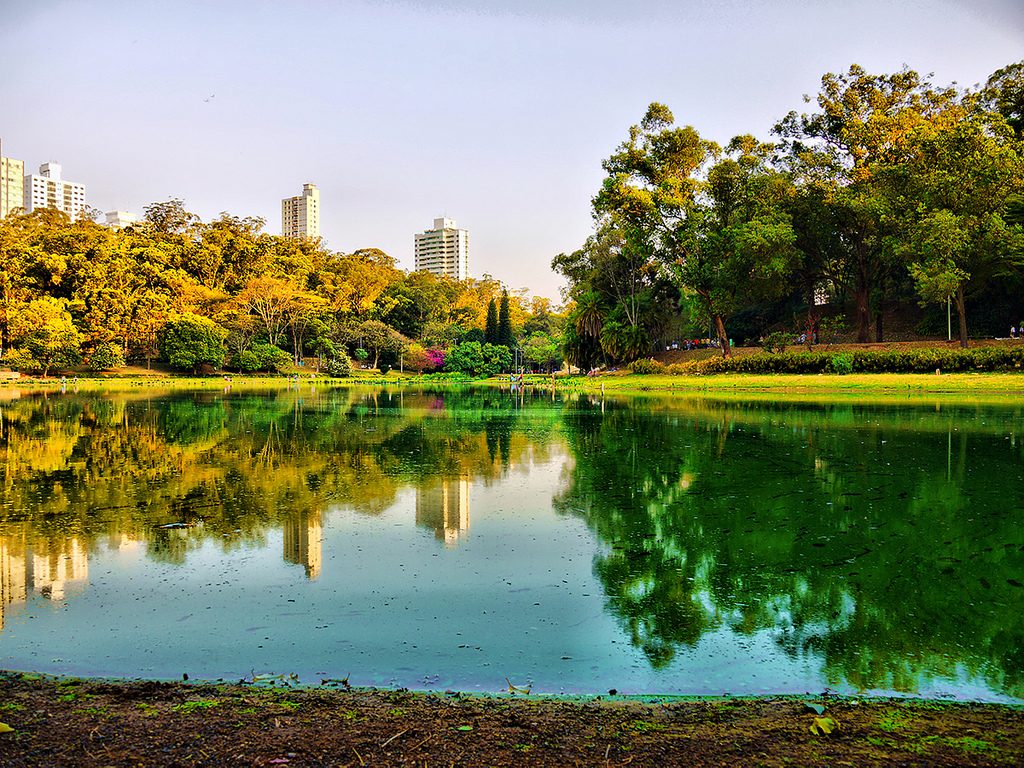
x: 497, y: 114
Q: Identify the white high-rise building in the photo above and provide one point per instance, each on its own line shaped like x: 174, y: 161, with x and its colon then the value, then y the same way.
x: 118, y: 219
x: 300, y: 216
x: 12, y: 185
x: 443, y: 250
x: 48, y: 190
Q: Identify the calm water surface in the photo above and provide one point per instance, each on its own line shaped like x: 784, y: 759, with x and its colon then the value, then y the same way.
x: 462, y: 539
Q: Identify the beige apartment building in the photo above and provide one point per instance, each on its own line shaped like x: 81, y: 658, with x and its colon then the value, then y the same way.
x: 47, y: 189
x: 300, y: 216
x: 12, y: 185
x: 443, y: 250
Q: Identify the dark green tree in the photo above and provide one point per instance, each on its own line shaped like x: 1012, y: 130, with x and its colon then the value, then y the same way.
x: 491, y: 327
x: 190, y: 341
x: 505, y: 336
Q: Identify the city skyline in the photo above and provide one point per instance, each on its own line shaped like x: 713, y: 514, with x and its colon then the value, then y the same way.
x: 497, y: 113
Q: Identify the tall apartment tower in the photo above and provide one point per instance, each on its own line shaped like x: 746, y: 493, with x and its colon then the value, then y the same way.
x: 443, y: 250
x: 48, y: 190
x: 300, y: 216
x: 12, y: 184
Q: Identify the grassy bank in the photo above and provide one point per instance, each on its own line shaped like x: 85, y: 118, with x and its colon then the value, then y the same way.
x: 1009, y: 385
x: 98, y: 723
x: 990, y: 386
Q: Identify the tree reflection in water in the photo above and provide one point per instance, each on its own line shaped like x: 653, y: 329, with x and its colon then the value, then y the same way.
x: 884, y: 541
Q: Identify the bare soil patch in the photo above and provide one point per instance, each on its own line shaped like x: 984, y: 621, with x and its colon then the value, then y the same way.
x: 58, y: 722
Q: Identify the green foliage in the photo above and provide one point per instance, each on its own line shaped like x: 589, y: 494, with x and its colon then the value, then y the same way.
x: 261, y: 357
x: 491, y: 325
x: 543, y: 350
x: 715, y: 221
x: 505, y: 336
x: 190, y: 341
x: 841, y: 363
x: 926, y: 360
x: 361, y: 354
x: 776, y: 342
x: 246, y: 361
x: 338, y: 367
x: 107, y: 357
x: 271, y: 358
x: 647, y: 366
x: 473, y: 359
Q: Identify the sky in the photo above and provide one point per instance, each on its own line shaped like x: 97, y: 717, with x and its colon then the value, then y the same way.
x: 494, y: 113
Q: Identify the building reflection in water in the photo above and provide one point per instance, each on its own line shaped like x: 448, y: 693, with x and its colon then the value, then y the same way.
x: 445, y: 509
x: 303, y: 542
x: 47, y: 567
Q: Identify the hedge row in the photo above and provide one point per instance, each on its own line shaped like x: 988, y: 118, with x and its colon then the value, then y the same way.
x: 921, y: 360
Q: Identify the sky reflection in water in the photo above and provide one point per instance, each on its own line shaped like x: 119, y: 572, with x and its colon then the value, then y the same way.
x: 459, y: 539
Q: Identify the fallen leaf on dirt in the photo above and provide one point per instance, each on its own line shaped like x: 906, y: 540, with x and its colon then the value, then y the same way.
x: 5, y: 728
x: 464, y: 728
x: 817, y: 709
x: 518, y: 688
x: 823, y: 726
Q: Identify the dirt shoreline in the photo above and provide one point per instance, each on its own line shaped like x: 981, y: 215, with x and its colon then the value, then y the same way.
x: 72, y: 722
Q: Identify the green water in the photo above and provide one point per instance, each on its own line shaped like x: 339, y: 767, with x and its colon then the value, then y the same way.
x: 466, y: 539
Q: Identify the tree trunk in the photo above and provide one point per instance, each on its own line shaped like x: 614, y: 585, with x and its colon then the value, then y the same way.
x: 862, y: 298
x: 878, y: 325
x: 962, y: 312
x: 723, y: 338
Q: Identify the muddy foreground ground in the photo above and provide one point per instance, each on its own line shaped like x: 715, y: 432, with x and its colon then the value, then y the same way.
x: 92, y: 723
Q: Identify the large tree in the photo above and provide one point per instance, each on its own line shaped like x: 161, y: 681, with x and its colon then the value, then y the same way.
x: 714, y: 220
x: 864, y: 125
x: 958, y: 184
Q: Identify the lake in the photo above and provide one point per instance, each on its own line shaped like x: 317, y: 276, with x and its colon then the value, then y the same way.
x: 468, y: 539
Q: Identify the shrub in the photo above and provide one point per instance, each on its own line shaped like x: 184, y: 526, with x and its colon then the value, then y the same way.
x: 841, y: 364
x: 645, y: 366
x: 246, y: 361
x: 361, y: 355
x: 775, y: 342
x: 271, y: 358
x: 107, y: 357
x: 384, y: 368
x: 338, y: 367
x: 863, y: 361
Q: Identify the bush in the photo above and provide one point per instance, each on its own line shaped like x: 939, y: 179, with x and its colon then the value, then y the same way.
x: 841, y: 363
x: 383, y: 368
x: 866, y: 361
x: 271, y: 358
x: 107, y: 357
x: 246, y: 361
x: 361, y: 355
x: 646, y: 366
x: 338, y: 367
x: 775, y: 342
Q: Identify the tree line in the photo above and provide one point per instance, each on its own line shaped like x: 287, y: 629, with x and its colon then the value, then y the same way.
x: 204, y: 295
x: 890, y: 198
